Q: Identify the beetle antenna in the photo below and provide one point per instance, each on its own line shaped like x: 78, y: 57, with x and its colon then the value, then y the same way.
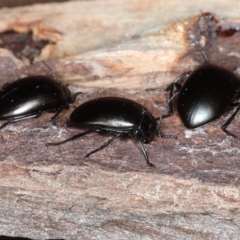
x: 75, y: 96
x: 162, y: 116
x: 205, y: 58
x: 73, y: 99
x: 145, y: 154
x: 50, y: 69
x: 155, y: 89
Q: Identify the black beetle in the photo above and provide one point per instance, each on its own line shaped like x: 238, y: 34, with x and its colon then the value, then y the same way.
x: 28, y: 97
x: 205, y: 95
x: 117, y: 116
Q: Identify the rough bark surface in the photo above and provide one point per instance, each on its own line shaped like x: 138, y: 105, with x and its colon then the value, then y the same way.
x: 120, y: 49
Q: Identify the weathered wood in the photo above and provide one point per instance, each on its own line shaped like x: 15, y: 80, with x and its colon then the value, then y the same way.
x: 54, y: 192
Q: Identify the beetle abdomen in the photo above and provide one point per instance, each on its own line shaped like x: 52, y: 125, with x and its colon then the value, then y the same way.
x: 106, y: 113
x: 32, y: 94
x: 212, y: 90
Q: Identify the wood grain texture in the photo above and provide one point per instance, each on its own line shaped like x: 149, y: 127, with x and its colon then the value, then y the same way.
x: 56, y: 193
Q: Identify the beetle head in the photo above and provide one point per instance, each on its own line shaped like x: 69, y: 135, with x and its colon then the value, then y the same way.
x: 147, y: 128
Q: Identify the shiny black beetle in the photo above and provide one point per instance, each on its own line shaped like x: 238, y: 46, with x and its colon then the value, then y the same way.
x: 117, y: 116
x: 28, y: 97
x: 205, y: 95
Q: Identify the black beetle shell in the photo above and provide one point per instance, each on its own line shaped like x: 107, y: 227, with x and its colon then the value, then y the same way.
x: 206, y: 95
x: 32, y: 94
x: 115, y: 115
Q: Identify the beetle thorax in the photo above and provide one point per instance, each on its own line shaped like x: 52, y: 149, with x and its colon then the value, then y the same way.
x: 206, y: 95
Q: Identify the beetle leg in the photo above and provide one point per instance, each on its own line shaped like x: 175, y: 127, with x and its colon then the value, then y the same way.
x: 162, y: 116
x: 168, y: 106
x: 69, y: 139
x: 4, y: 125
x: 205, y: 57
x: 54, y: 116
x: 174, y: 87
x: 104, y: 145
x: 225, y: 125
x: 178, y: 79
x: 159, y: 119
x: 50, y: 69
x: 145, y: 154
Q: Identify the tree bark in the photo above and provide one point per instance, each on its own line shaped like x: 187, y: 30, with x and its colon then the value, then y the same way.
x: 127, y: 49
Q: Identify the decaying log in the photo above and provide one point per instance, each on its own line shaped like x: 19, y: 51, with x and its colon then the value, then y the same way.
x: 120, y: 48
